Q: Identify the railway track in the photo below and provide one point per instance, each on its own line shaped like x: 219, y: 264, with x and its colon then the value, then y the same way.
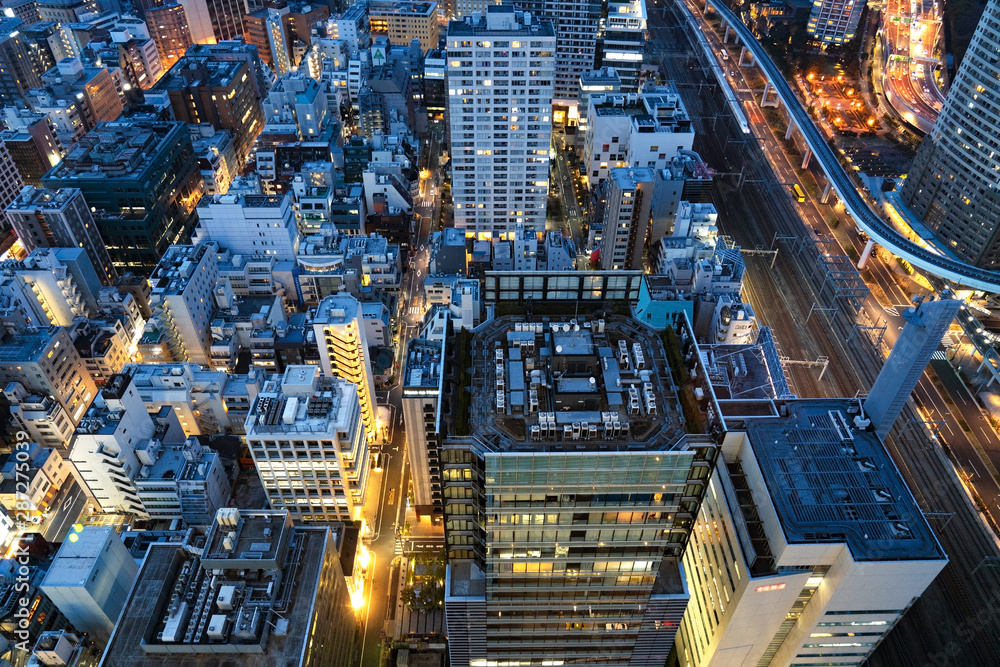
x: 931, y: 633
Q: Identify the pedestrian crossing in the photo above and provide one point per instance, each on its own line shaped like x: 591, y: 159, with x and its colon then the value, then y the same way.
x: 415, y: 310
x: 892, y: 312
x: 940, y: 355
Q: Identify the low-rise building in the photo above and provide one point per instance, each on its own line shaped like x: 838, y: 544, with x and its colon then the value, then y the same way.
x: 808, y: 548
x: 90, y: 578
x: 46, y: 473
x: 216, y: 155
x: 195, y: 394
x: 51, y: 286
x: 107, y: 440
x: 76, y: 97
x: 46, y: 362
x: 308, y: 443
x: 185, y: 482
x: 423, y: 396
x: 458, y: 295
x: 60, y: 219
x: 183, y: 301
x: 40, y: 416
x: 249, y: 224
x: 299, y: 95
x: 258, y: 590
x: 403, y: 22
x: 33, y: 143
x: 363, y: 266
x: 643, y: 129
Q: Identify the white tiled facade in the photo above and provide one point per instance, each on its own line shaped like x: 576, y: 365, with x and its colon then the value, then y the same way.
x: 500, y: 86
x: 308, y: 443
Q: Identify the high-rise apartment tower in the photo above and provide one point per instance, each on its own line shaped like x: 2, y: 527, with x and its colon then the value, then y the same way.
x: 500, y: 119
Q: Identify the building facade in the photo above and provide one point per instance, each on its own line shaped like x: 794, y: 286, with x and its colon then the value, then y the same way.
x: 626, y: 218
x: 60, y: 219
x: 834, y: 22
x: 249, y: 224
x: 201, y: 88
x: 403, y: 22
x: 142, y: 185
x: 576, y: 23
x: 17, y: 71
x: 183, y: 300
x: 340, y: 334
x: 422, y: 382
x: 89, y: 580
x: 168, y: 28
x: 950, y: 185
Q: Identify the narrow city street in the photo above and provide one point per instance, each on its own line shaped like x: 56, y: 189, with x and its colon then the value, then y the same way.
x: 378, y: 611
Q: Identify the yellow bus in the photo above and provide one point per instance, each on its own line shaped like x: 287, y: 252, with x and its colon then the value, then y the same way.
x: 800, y: 196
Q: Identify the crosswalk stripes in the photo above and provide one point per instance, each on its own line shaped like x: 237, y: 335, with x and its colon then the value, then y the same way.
x: 891, y: 311
x: 939, y: 355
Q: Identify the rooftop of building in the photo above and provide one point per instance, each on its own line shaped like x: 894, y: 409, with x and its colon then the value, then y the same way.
x: 566, y: 383
x: 167, y: 375
x: 25, y: 345
x: 349, y: 245
x: 518, y: 24
x: 832, y: 481
x: 301, y: 401
x: 337, y: 309
x: 424, y: 364
x: 244, y: 200
x: 744, y: 373
x: 117, y: 150
x: 260, y: 614
x: 655, y: 109
x: 187, y: 462
x: 76, y: 559
x: 177, y: 266
x: 605, y: 75
x: 402, y: 7
x: 627, y: 178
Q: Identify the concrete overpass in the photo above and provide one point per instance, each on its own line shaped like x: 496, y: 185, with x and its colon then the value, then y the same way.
x: 864, y: 213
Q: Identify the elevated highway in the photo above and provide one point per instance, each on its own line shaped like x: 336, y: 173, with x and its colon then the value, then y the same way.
x: 857, y: 205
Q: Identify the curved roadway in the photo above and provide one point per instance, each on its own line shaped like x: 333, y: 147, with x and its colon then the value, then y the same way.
x: 866, y: 217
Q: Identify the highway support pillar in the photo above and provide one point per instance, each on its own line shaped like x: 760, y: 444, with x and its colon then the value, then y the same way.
x: 764, y: 102
x: 746, y: 57
x: 865, y: 254
x: 985, y: 363
x: 729, y: 31
x: 826, y: 192
x: 805, y: 158
x: 791, y: 128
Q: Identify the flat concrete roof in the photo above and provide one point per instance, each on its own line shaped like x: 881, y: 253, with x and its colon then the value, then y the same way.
x: 832, y: 482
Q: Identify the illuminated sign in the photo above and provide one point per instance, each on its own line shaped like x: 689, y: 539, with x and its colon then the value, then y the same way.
x: 769, y: 588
